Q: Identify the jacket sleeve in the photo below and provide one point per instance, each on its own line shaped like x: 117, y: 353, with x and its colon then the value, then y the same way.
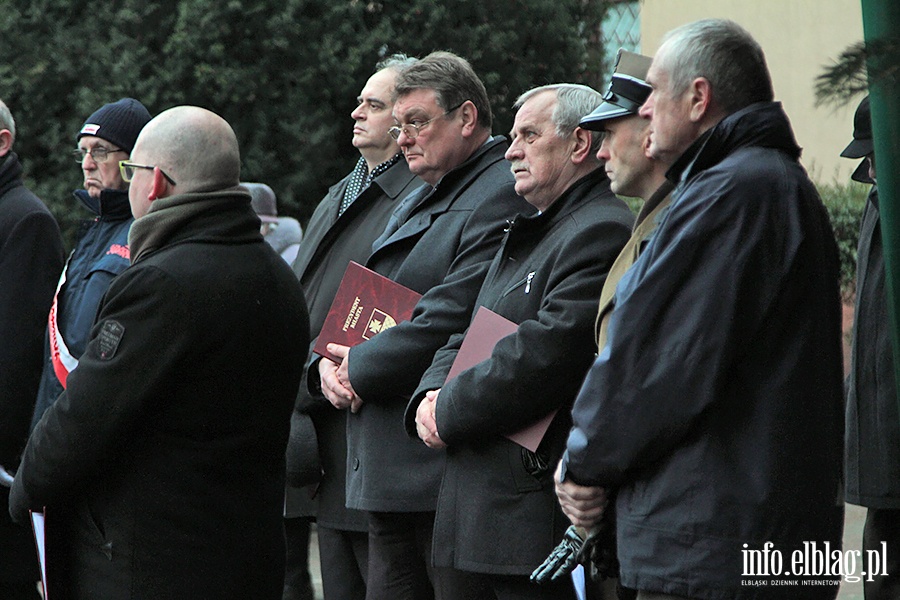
x: 133, y: 357
x: 391, y: 363
x: 31, y: 258
x: 433, y: 379
x: 538, y: 368
x: 684, y: 314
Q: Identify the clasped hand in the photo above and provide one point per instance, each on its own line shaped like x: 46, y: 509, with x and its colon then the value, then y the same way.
x: 426, y: 426
x: 584, y: 505
x: 335, y: 380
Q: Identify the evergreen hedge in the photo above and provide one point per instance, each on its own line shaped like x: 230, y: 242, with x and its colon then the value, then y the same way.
x: 845, y: 203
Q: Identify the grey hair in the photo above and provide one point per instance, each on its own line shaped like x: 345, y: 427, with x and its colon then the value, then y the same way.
x: 725, y: 54
x: 573, y: 102
x: 397, y: 62
x: 6, y: 120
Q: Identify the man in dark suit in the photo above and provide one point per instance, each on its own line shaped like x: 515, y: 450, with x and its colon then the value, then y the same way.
x: 31, y: 258
x: 497, y: 516
x: 162, y: 464
x: 343, y: 227
x: 439, y: 242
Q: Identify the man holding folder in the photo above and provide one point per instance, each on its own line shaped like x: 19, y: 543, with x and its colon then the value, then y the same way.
x: 439, y: 242
x: 497, y: 516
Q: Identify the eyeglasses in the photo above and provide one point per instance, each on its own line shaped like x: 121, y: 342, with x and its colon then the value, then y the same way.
x: 412, y: 130
x: 99, y: 154
x: 127, y: 170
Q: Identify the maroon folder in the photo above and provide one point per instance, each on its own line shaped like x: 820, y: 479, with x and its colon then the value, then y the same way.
x: 486, y: 329
x: 365, y: 304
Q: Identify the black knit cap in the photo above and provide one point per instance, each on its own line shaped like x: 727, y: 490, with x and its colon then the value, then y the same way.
x: 119, y: 123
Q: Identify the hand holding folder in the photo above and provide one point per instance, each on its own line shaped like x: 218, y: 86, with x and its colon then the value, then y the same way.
x: 365, y: 304
x: 486, y: 329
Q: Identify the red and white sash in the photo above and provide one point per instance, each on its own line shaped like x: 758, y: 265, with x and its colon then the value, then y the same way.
x: 63, y: 361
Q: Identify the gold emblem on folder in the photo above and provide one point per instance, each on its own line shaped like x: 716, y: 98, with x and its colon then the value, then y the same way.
x: 378, y: 322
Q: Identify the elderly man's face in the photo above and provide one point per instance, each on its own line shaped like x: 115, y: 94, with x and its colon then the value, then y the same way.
x: 671, y: 130
x: 623, y: 152
x: 372, y: 116
x: 439, y: 145
x: 540, y: 159
x: 99, y: 176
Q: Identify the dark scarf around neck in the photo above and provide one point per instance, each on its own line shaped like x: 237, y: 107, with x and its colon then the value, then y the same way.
x: 223, y: 215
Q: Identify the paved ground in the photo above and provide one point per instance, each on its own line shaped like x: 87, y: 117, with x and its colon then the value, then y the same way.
x: 315, y: 570
x: 854, y: 518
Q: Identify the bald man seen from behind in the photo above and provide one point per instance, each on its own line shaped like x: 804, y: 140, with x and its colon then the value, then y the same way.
x: 161, y: 466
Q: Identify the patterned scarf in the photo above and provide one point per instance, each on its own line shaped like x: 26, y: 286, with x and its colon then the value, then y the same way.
x: 360, y: 179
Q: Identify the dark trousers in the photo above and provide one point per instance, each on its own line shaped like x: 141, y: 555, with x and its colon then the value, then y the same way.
x: 400, y: 556
x: 19, y: 590
x: 608, y: 589
x: 400, y: 561
x: 344, y: 558
x: 297, y: 581
x: 478, y: 586
x: 883, y: 525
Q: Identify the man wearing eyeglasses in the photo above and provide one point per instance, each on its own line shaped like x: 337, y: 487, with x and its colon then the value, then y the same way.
x: 101, y: 250
x: 162, y: 464
x: 439, y: 242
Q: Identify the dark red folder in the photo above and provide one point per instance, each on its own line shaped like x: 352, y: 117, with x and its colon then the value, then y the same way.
x: 365, y: 304
x: 486, y: 329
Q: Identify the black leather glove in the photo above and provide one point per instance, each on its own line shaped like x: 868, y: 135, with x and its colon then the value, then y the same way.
x: 563, y: 559
x: 595, y: 549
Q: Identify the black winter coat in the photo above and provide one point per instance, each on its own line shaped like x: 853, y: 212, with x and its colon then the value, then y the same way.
x: 494, y: 515
x: 872, y: 460
x: 31, y: 258
x: 162, y: 464
x: 716, y: 407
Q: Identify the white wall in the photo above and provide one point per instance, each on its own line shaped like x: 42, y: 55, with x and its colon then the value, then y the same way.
x: 799, y: 38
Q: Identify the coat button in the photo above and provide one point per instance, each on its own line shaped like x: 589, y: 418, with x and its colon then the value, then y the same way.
x: 356, y: 464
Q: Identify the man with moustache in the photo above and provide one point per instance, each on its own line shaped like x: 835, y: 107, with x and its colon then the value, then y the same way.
x: 497, y: 516
x: 715, y: 409
x: 439, y: 242
x: 342, y: 229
